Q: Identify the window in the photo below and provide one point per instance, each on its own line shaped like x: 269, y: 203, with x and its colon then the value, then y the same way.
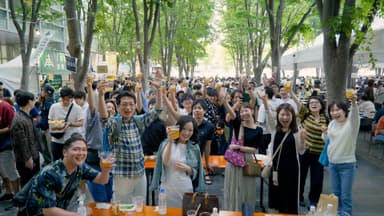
x: 3, y: 3
x: 3, y: 19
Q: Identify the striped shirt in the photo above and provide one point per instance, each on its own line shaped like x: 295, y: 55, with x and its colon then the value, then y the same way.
x: 313, y: 130
x: 128, y: 150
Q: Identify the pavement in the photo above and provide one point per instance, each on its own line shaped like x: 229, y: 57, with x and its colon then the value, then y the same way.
x: 368, y: 190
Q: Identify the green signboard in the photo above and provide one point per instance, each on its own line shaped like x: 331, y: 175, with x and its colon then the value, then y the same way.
x: 52, y: 62
x: 56, y: 81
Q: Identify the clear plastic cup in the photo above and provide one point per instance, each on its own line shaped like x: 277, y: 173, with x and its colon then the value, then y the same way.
x: 174, y: 131
x: 139, y: 203
x: 110, y: 78
x: 191, y: 212
x: 350, y: 93
x: 287, y: 86
x: 105, y: 159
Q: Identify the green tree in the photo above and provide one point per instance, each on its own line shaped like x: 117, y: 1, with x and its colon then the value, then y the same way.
x: 79, y: 47
x: 114, y: 24
x: 145, y: 29
x: 344, y: 25
x: 25, y: 15
x: 193, y: 33
x: 285, y: 21
x: 245, y: 27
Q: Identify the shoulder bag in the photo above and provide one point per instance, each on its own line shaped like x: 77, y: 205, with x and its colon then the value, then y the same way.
x: 61, y: 134
x: 323, y: 158
x: 266, y: 173
x: 235, y: 157
x: 252, y: 167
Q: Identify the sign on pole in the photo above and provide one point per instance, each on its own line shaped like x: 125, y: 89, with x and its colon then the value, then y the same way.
x: 71, y: 63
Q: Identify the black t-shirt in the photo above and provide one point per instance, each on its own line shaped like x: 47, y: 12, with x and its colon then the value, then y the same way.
x: 152, y: 137
x: 206, y: 132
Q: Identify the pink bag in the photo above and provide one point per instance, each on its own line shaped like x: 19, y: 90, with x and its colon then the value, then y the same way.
x: 235, y: 157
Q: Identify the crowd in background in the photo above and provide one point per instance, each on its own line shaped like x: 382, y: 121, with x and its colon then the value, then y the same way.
x: 130, y: 124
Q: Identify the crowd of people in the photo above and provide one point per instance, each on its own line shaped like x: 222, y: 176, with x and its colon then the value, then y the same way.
x: 128, y: 124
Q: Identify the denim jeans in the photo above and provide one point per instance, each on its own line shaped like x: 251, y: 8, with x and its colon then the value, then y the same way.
x: 101, y: 193
x: 342, y: 178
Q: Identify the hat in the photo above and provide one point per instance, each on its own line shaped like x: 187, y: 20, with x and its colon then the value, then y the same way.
x: 49, y: 90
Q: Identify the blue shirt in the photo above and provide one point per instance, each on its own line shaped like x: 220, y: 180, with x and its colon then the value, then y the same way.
x: 128, y: 149
x: 54, y: 187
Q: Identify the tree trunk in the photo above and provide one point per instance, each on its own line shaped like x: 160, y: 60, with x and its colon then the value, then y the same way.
x: 336, y: 61
x: 275, y: 57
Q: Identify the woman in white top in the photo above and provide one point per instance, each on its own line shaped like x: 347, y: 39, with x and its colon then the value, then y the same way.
x: 342, y: 133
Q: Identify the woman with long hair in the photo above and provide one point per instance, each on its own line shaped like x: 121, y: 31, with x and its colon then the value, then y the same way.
x: 237, y: 187
x: 179, y: 167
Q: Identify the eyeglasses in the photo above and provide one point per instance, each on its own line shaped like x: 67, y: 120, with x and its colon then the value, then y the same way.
x: 127, y: 104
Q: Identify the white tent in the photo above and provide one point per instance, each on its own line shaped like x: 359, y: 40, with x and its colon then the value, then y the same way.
x: 312, y: 56
x: 10, y: 75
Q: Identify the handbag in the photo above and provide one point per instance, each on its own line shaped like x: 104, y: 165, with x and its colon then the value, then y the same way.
x: 324, y: 200
x: 199, y: 202
x: 59, y: 135
x: 323, y: 159
x: 235, y: 157
x: 252, y: 167
x: 266, y: 172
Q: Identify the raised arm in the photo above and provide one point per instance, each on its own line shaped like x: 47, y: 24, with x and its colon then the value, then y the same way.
x: 296, y: 100
x: 270, y: 121
x: 354, y: 117
x: 102, y: 107
x: 139, y: 102
x: 167, y: 152
x: 91, y: 99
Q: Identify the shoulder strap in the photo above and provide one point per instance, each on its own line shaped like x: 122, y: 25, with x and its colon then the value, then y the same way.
x: 116, y: 131
x: 139, y: 124
x: 280, y: 145
x: 69, y: 111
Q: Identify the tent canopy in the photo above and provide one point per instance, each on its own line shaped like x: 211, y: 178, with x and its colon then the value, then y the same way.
x: 312, y: 56
x: 10, y: 75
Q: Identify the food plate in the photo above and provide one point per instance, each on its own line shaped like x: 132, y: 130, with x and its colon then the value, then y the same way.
x: 127, y: 207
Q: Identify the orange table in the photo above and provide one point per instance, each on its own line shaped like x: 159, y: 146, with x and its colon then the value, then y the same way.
x: 150, y: 211
x: 217, y: 161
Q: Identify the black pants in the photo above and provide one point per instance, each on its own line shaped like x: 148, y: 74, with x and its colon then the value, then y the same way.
x: 25, y: 173
x: 311, y: 161
x: 57, y: 150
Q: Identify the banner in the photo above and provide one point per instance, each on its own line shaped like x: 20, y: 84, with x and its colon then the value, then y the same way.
x: 52, y: 62
x: 111, y: 59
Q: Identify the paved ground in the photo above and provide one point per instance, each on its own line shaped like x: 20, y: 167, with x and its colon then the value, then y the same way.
x: 368, y: 190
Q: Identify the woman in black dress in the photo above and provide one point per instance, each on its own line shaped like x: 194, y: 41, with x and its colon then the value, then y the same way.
x: 284, y: 181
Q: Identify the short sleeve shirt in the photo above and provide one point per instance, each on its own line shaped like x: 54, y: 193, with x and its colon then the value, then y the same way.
x: 58, y: 112
x: 54, y: 187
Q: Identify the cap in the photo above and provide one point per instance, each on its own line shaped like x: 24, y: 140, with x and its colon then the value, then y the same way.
x: 49, y: 90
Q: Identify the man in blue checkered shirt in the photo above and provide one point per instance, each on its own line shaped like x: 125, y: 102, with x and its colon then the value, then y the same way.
x: 128, y: 174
